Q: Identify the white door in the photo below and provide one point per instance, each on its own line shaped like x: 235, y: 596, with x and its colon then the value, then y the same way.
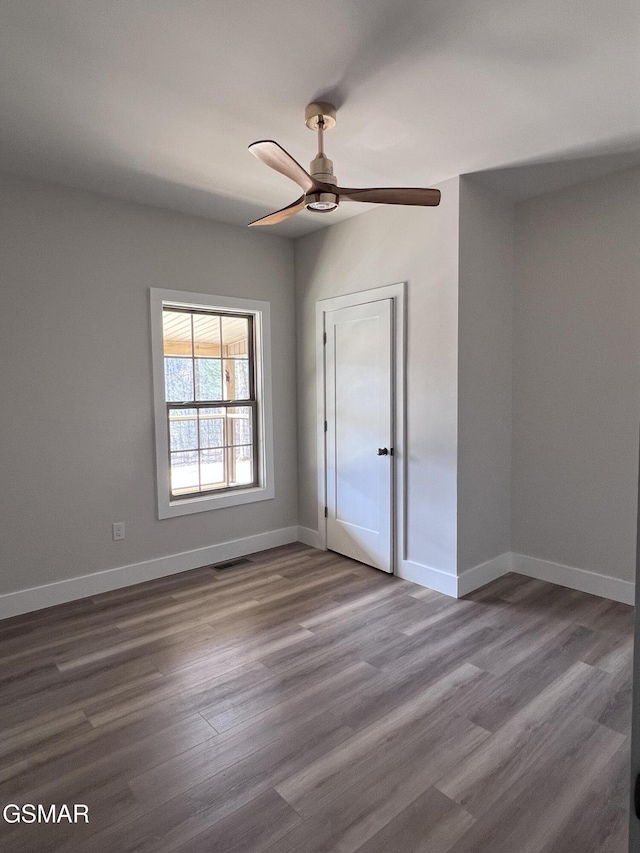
x: 359, y: 413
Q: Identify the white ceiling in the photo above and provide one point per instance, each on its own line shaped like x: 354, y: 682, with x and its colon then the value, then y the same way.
x: 157, y: 100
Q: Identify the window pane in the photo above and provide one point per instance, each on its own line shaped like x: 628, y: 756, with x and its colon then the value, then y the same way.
x: 178, y: 376
x: 183, y: 429
x: 184, y: 472
x: 208, y: 378
x: 241, y: 367
x: 177, y: 333
x: 212, y: 467
x: 206, y: 335
x: 236, y: 379
x: 235, y: 335
x: 211, y: 427
x: 240, y: 427
x: 242, y: 463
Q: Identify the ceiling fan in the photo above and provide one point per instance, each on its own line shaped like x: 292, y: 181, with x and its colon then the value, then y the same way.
x: 321, y: 193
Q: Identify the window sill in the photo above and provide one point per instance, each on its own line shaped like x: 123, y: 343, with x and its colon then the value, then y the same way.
x: 204, y: 503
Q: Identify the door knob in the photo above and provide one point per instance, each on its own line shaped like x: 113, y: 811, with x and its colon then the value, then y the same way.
x: 382, y: 451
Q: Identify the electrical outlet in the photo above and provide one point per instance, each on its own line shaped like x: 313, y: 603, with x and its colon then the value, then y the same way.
x: 117, y: 529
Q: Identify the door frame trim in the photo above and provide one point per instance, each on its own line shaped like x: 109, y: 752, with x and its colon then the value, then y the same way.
x: 397, y: 293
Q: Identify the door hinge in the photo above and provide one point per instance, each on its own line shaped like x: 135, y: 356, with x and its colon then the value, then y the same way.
x: 324, y: 338
x: 636, y: 796
x: 326, y: 512
x: 325, y: 426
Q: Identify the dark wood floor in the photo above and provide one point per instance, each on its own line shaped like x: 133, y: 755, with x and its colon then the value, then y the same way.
x: 303, y: 702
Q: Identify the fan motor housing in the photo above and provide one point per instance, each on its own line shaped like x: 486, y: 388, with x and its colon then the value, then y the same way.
x: 322, y: 170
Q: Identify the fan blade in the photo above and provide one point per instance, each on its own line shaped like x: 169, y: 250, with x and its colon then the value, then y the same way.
x: 391, y: 195
x: 274, y: 155
x: 281, y: 215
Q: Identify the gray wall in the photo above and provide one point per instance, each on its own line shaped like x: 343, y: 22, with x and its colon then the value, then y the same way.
x: 576, y: 384
x: 485, y: 318
x: 76, y: 432
x: 381, y: 247
x: 76, y: 423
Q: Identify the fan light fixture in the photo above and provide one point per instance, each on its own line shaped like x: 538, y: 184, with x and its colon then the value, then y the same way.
x: 323, y: 204
x: 321, y: 193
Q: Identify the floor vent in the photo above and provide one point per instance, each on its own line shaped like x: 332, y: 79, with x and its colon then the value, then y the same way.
x: 231, y: 564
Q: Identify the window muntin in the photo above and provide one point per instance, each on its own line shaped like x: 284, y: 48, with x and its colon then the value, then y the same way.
x: 211, y: 401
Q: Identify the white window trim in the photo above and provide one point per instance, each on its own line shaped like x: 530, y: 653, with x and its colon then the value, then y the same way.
x: 168, y: 508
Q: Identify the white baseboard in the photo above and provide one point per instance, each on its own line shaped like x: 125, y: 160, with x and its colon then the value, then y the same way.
x: 59, y: 592
x: 456, y: 585
x: 603, y: 585
x: 484, y: 573
x: 434, y: 579
x: 309, y: 537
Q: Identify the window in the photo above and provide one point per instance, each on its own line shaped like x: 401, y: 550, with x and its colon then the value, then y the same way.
x: 212, y: 401
x: 209, y: 375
